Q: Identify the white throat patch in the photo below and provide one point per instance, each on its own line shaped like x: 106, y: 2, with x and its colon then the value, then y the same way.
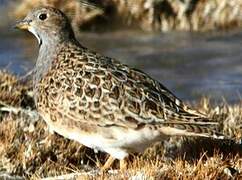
x: 35, y: 34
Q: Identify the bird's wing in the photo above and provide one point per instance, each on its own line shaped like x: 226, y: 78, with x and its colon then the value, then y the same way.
x: 102, y: 91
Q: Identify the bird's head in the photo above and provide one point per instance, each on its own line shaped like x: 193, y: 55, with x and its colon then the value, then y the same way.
x: 47, y: 23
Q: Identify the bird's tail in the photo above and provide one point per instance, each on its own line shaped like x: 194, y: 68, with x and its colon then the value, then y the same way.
x: 200, y: 129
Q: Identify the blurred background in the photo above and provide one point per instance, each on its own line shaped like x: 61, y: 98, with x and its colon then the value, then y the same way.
x: 192, y: 46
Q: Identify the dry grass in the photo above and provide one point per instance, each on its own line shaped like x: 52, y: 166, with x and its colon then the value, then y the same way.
x: 161, y: 15
x: 28, y: 150
x: 11, y: 91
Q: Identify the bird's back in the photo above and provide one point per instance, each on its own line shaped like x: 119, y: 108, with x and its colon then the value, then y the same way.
x: 94, y: 90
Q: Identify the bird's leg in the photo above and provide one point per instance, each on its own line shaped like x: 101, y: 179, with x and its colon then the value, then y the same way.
x: 123, y: 164
x: 108, y: 163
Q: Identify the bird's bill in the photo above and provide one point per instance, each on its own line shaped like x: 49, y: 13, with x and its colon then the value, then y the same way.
x: 24, y: 24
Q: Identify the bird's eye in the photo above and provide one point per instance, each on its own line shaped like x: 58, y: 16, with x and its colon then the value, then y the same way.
x: 42, y: 16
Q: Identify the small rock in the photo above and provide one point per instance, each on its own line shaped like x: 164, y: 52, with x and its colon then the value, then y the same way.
x: 7, y: 176
x: 231, y: 172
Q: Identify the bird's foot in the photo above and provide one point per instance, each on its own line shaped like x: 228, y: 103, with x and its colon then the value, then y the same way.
x: 108, y: 163
x: 123, y: 165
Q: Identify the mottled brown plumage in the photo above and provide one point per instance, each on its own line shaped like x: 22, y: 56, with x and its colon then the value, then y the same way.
x: 99, y: 101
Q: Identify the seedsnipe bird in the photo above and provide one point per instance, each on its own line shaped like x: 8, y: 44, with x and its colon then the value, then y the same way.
x: 98, y: 101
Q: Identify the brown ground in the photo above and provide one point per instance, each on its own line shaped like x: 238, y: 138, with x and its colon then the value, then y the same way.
x: 28, y: 150
x: 160, y: 15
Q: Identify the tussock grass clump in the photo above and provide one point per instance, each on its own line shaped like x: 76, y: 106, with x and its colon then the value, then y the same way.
x: 161, y: 15
x: 29, y: 150
x: 11, y: 91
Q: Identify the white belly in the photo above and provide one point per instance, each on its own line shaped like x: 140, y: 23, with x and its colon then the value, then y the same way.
x: 117, y: 141
x: 122, y: 143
